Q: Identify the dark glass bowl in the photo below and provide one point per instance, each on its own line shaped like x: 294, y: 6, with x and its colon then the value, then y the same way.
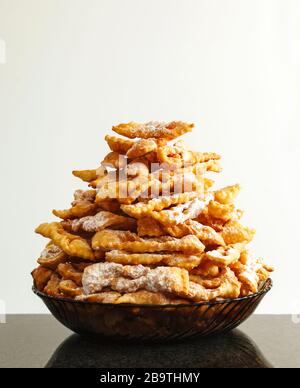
x: 153, y: 322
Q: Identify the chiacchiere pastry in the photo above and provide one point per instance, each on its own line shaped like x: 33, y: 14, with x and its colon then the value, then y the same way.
x: 150, y: 228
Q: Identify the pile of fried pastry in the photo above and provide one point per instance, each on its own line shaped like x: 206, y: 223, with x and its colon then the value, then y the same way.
x: 150, y: 229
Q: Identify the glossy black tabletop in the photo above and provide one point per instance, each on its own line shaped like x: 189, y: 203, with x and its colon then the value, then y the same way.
x: 39, y: 341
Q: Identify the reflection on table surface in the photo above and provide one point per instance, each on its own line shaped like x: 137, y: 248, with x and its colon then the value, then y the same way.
x: 232, y: 350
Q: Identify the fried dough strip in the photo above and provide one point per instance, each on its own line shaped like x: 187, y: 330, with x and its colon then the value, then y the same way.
x: 229, y: 287
x: 126, y: 191
x: 70, y: 288
x: 166, y: 185
x: 233, y: 232
x: 153, y: 129
x: 41, y: 276
x: 135, y: 182
x: 52, y: 287
x: 183, y: 183
x: 110, y: 205
x: 208, y: 183
x: 100, y: 180
x: 178, y: 156
x: 199, y: 169
x: 224, y: 212
x: 225, y: 256
x: 68, y: 272
x: 180, y: 213
x: 206, y: 268
x: 71, y: 244
x: 85, y: 175
x: 206, y: 219
x: 114, y: 160
x: 83, y: 205
x: 169, y: 259
x: 207, y: 235
x: 80, y: 210
x: 126, y: 279
x: 206, y: 282
x: 90, y: 175
x: 227, y: 194
x: 251, y: 271
x: 117, y: 144
x: 51, y: 256
x: 141, y: 148
x: 99, y: 221
x: 81, y: 265
x: 157, y: 204
x: 108, y: 239
x: 147, y: 226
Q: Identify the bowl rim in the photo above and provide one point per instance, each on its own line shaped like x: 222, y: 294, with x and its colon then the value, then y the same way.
x: 265, y: 288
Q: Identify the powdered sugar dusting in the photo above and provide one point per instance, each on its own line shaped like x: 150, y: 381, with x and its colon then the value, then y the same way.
x: 83, y: 195
x: 189, y: 210
x: 132, y: 278
x: 51, y: 251
x: 250, y: 272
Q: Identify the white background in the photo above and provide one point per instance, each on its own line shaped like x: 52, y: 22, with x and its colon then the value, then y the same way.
x: 76, y: 67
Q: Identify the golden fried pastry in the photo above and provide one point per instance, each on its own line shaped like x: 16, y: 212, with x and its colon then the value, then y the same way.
x: 148, y: 227
x: 177, y: 156
x: 52, y: 287
x: 251, y: 272
x: 151, y: 230
x: 114, y: 160
x: 153, y: 129
x: 141, y: 148
x: 68, y: 272
x: 208, y: 183
x: 79, y: 210
x: 225, y: 256
x: 118, y: 144
x: 69, y: 288
x: 80, y: 265
x: 129, y: 186
x: 142, y: 209
x: 166, y: 183
x: 51, y: 256
x: 101, y: 220
x: 233, y: 232
x: 207, y: 235
x: 108, y: 239
x: 180, y: 213
x: 227, y: 195
x: 182, y: 183
x: 100, y: 180
x: 228, y: 286
x: 110, y: 205
x: 223, y: 212
x: 169, y: 259
x: 200, y: 168
x: 71, y: 244
x: 82, y: 206
x: 129, y: 278
x: 85, y: 175
x: 41, y: 276
x: 206, y: 268
x: 209, y: 282
x: 84, y: 195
